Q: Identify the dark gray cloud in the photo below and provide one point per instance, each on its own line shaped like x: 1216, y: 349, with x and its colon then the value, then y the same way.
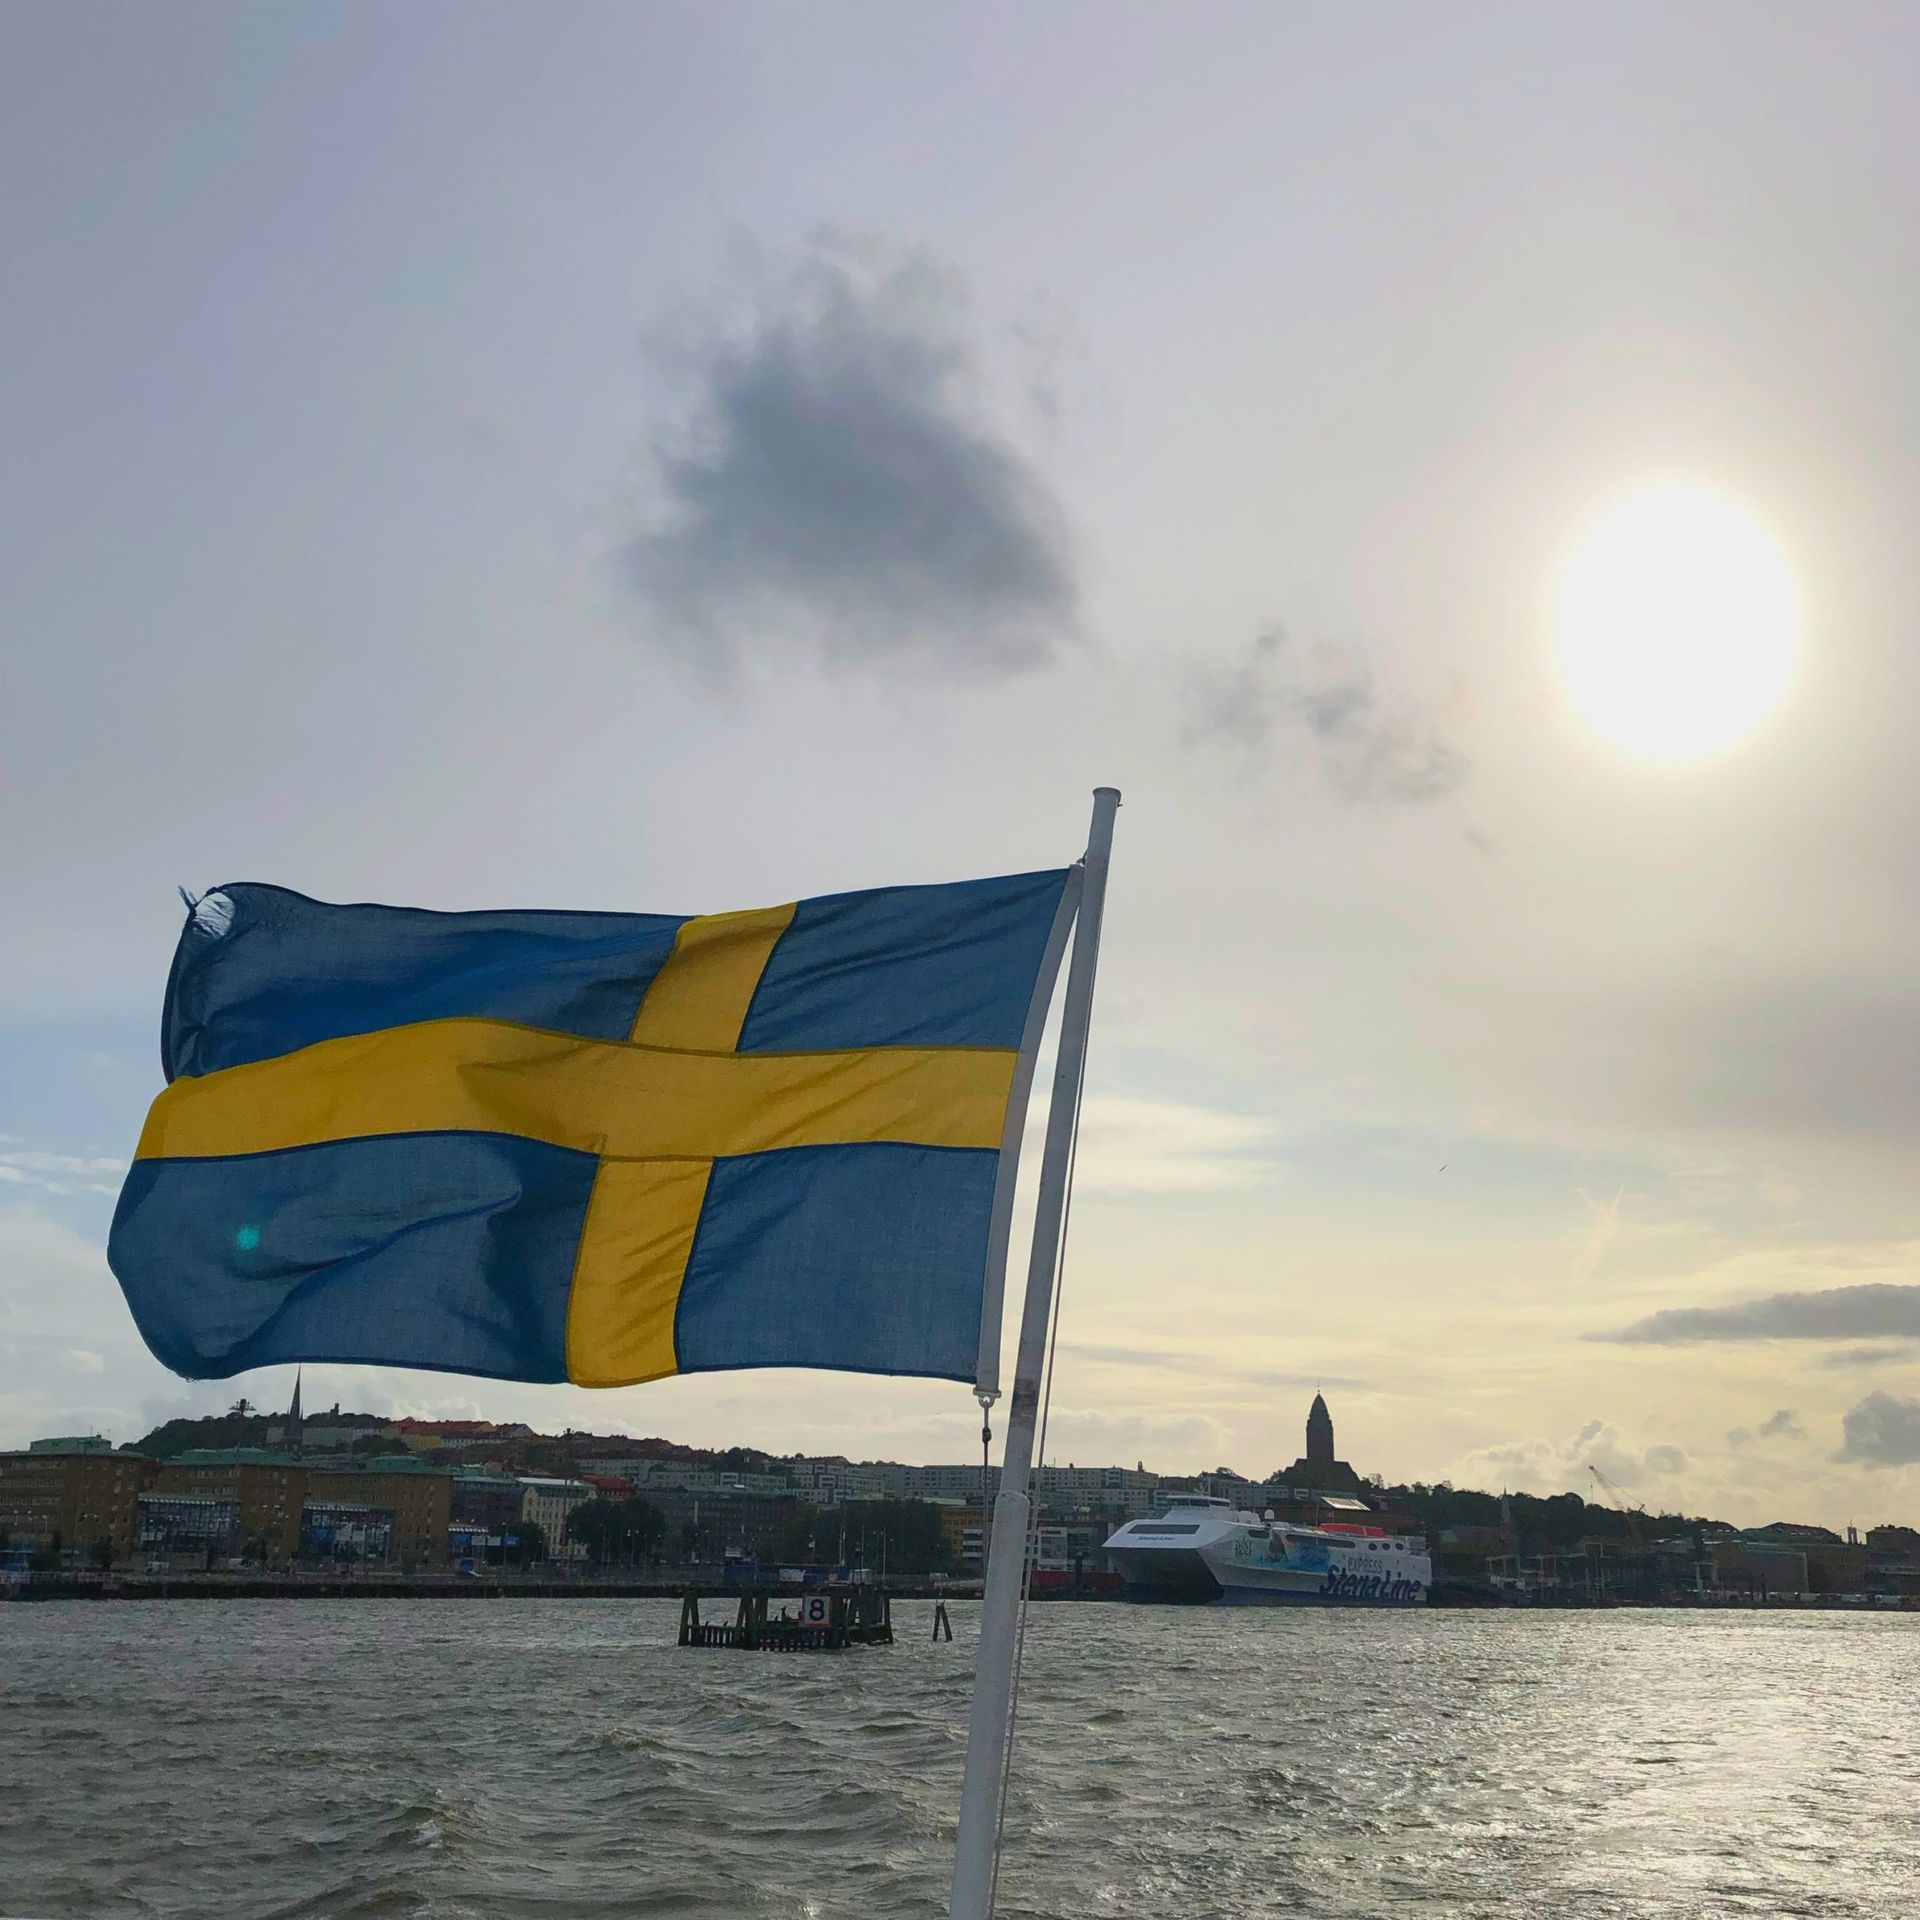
x: 1781, y: 1425
x: 1374, y: 745
x: 1838, y: 1313
x: 1883, y: 1430
x: 1848, y: 1359
x: 838, y: 485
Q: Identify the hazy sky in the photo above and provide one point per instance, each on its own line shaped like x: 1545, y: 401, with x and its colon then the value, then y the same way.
x: 681, y: 458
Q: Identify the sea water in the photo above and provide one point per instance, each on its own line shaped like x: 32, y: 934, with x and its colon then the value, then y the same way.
x: 509, y: 1759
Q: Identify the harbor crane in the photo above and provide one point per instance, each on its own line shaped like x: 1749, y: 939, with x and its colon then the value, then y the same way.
x: 1634, y: 1516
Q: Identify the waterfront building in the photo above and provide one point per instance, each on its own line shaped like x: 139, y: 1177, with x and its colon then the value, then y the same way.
x: 1797, y: 1533
x: 73, y: 1496
x: 1760, y: 1568
x: 186, y: 1529
x: 489, y: 1503
x: 547, y: 1503
x: 689, y: 1476
x: 707, y: 1526
x: 942, y: 1483
x: 831, y: 1480
x: 332, y: 1432
x: 456, y: 1436
x: 273, y: 1492
x: 417, y: 1495
x: 961, y: 1532
x: 348, y: 1530
x: 1833, y: 1565
x: 1893, y: 1559
x: 266, y: 1489
x: 1066, y: 1549
x: 1068, y: 1490
x: 611, y: 1486
x: 72, y: 1443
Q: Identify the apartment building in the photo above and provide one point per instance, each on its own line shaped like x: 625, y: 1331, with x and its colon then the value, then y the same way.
x: 69, y: 1492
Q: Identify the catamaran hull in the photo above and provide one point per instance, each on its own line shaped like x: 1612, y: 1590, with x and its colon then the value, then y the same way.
x: 1197, y: 1585
x: 1251, y: 1573
x: 1181, y: 1578
x: 1326, y: 1590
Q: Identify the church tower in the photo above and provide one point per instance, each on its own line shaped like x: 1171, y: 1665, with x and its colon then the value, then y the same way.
x: 1320, y: 1456
x: 1320, y: 1467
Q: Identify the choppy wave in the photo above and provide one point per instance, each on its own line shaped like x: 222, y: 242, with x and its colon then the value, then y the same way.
x: 353, y: 1761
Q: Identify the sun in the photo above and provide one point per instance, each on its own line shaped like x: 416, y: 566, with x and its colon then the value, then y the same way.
x: 1678, y: 621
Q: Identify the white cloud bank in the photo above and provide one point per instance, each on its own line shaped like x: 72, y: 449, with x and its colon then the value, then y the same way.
x: 1541, y: 1465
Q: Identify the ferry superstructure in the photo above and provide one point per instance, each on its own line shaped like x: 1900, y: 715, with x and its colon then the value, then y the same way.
x: 1206, y: 1549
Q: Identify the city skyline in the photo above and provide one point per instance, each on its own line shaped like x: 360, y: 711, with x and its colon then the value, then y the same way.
x: 473, y: 512
x: 831, y: 1478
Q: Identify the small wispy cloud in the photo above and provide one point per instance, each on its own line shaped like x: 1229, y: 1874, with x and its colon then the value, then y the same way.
x: 1132, y: 1145
x: 65, y: 1173
x: 1603, y: 1229
x: 1212, y: 1366
x: 1875, y: 1310
x: 840, y: 487
x: 1087, y: 1434
x: 1375, y: 745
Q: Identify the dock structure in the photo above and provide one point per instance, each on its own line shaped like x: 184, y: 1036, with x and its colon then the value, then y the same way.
x: 802, y: 1623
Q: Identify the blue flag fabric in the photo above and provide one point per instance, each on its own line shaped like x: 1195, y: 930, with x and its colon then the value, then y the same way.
x: 587, y: 1146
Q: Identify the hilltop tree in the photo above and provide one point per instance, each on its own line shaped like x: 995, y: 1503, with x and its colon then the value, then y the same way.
x: 745, y: 1460
x: 902, y: 1535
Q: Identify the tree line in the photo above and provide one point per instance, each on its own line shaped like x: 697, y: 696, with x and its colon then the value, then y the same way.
x: 901, y: 1536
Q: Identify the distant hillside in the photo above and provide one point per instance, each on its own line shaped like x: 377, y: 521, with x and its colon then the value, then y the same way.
x: 249, y: 1429
x: 217, y: 1430
x: 1559, y: 1519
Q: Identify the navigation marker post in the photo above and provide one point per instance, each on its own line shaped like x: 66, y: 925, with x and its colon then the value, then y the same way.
x: 990, y: 1723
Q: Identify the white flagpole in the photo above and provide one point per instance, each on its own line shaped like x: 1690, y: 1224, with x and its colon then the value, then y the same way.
x: 989, y: 1725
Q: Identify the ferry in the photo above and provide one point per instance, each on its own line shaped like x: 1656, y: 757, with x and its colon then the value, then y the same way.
x: 1204, y: 1549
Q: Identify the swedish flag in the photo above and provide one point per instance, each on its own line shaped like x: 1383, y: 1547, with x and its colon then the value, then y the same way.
x: 588, y: 1146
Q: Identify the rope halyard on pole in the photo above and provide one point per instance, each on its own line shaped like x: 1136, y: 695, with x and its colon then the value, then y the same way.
x: 986, y: 1475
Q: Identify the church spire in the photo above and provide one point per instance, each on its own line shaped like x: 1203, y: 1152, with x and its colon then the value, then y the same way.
x: 293, y: 1416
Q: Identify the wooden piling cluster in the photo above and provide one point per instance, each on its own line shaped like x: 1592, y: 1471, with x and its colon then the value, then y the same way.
x: 806, y: 1623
